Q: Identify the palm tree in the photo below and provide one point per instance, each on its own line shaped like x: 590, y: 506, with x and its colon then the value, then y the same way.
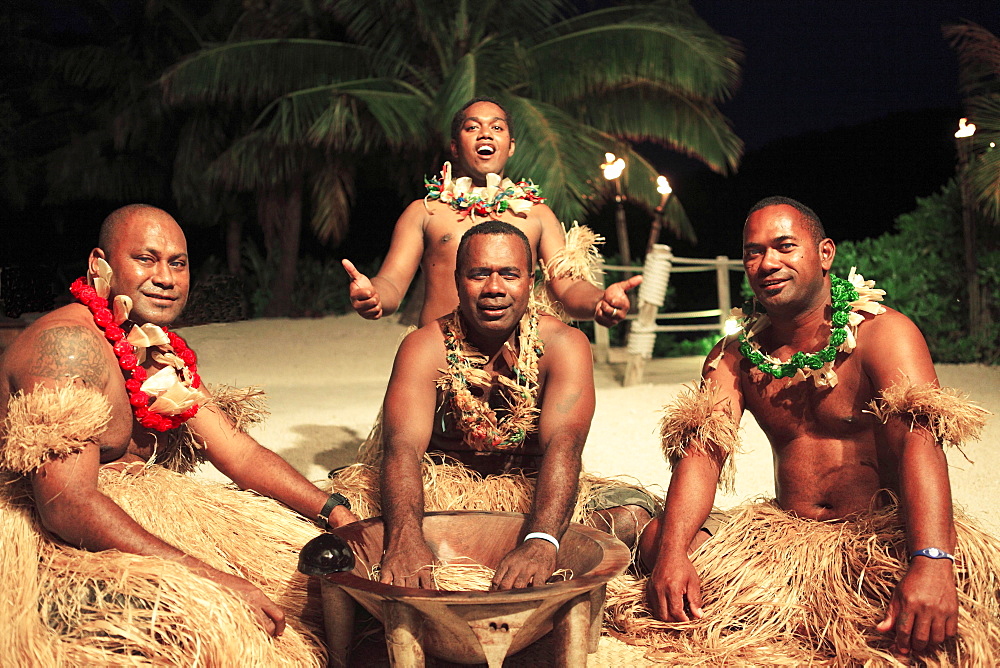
x: 116, y: 138
x: 979, y: 160
x: 577, y: 83
x: 979, y: 81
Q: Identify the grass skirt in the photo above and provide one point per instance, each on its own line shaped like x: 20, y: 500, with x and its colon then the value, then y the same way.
x: 68, y: 607
x: 784, y: 591
x: 453, y: 486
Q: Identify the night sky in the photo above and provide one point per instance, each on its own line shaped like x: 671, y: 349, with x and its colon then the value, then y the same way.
x: 819, y: 64
x: 849, y: 106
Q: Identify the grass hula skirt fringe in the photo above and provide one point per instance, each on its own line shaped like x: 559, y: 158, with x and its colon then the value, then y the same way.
x: 453, y: 486
x: 69, y: 607
x: 784, y: 591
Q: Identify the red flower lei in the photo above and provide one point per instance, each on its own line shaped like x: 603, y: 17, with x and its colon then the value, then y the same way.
x: 135, y: 375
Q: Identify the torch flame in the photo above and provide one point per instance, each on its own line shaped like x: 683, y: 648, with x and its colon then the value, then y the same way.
x: 965, y: 129
x: 612, y: 167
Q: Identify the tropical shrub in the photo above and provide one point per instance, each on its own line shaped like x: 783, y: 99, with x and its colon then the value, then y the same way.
x: 920, y: 266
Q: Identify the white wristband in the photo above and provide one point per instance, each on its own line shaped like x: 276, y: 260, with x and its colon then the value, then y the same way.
x: 543, y: 536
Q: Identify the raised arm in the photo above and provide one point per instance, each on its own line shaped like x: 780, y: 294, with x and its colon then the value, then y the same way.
x: 408, y: 418
x: 924, y: 606
x: 381, y: 295
x: 581, y: 299
x: 252, y: 466
x: 567, y: 408
x: 674, y: 588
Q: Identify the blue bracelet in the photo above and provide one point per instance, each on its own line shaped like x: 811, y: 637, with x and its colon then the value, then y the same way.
x: 932, y: 553
x: 544, y: 536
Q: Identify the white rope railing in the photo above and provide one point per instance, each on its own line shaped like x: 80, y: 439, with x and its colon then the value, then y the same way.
x: 659, y: 265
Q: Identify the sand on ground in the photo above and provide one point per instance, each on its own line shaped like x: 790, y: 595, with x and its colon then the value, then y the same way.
x: 325, y: 379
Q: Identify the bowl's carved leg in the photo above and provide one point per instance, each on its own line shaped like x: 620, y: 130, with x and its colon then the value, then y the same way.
x: 597, y: 596
x: 338, y: 619
x: 572, y: 631
x: 403, y: 635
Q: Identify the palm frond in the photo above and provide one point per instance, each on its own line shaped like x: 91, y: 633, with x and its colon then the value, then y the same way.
x: 86, y: 169
x: 638, y: 183
x: 438, y: 33
x: 978, y: 57
x: 556, y: 151
x: 984, y: 167
x: 103, y: 69
x: 201, y: 140
x: 564, y: 156
x: 257, y: 71
x: 140, y: 122
x: 509, y: 20
x: 348, y: 116
x: 676, y: 221
x: 459, y: 86
x: 612, y: 47
x: 648, y: 113
x: 332, y: 194
x: 604, y: 57
x: 254, y: 162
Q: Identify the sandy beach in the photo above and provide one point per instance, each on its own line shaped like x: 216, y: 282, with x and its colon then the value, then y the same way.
x: 325, y: 379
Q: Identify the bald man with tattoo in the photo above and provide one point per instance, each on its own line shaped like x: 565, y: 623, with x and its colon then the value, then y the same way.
x: 112, y: 347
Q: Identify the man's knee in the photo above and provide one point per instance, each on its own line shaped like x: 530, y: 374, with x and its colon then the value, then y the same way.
x: 623, y: 522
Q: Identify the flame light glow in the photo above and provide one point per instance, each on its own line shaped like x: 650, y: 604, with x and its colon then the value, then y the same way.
x: 612, y: 167
x: 965, y: 129
x: 663, y: 186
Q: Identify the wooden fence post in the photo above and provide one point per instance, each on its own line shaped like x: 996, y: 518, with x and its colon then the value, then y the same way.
x: 722, y: 286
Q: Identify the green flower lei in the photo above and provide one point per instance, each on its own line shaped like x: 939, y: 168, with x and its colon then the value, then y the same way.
x: 842, y: 293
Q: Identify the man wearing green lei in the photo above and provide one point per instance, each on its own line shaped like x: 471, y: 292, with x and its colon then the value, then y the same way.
x: 814, y: 374
x: 427, y: 233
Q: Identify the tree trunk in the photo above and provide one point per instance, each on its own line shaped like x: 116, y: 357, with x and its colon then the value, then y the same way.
x: 280, y: 212
x: 234, y: 245
x: 977, y: 307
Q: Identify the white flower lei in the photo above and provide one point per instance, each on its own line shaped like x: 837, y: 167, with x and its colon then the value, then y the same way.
x: 497, y: 196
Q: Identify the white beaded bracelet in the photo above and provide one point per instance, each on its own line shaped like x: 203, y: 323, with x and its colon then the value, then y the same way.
x: 544, y: 536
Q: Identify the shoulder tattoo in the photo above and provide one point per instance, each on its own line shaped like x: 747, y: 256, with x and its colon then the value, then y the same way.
x: 71, y: 352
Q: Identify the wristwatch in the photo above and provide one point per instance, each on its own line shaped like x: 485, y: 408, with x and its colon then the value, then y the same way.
x: 336, y: 499
x: 933, y: 553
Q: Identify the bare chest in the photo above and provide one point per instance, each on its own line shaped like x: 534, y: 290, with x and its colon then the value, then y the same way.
x: 124, y: 438
x: 444, y: 228
x: 787, y: 410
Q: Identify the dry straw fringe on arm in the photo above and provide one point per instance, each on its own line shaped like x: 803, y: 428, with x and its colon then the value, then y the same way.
x: 245, y: 406
x: 696, y: 423
x: 578, y: 259
x: 943, y: 411
x: 51, y: 422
